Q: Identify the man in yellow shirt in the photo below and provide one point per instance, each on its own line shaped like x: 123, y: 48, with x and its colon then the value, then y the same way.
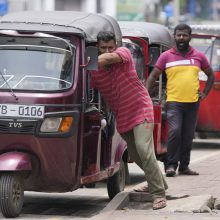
x: 182, y: 65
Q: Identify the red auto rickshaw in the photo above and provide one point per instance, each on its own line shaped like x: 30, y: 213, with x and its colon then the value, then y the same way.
x: 146, y: 42
x: 56, y: 133
x: 206, y: 38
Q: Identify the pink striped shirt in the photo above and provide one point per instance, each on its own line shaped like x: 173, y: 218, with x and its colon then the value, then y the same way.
x: 124, y: 93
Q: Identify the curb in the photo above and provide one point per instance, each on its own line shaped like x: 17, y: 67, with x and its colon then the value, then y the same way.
x: 175, y: 204
x: 118, y: 202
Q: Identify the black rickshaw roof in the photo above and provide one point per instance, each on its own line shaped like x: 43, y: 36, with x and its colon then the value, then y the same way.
x: 154, y: 32
x: 82, y: 23
x: 205, y: 29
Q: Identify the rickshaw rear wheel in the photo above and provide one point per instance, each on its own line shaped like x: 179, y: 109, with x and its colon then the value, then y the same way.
x: 116, y: 183
x: 90, y: 185
x: 11, y: 194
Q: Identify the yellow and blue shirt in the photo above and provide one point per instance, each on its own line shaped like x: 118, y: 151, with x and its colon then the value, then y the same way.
x: 182, y: 73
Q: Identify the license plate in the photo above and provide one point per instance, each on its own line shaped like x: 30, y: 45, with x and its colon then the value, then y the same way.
x: 23, y: 111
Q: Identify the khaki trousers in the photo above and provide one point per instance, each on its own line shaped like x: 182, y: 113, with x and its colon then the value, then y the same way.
x: 141, y: 150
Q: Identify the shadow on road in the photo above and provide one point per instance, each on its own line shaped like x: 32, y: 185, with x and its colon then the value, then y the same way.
x: 82, y: 206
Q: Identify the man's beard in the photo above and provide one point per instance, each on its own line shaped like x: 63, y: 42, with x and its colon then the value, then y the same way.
x: 182, y: 46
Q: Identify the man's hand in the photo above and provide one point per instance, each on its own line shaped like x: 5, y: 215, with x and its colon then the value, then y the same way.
x: 202, y: 96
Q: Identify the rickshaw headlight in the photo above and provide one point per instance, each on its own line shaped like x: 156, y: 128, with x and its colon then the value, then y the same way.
x: 56, y: 124
x: 51, y: 125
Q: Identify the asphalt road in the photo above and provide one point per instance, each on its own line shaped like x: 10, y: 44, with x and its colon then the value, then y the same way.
x: 87, y: 202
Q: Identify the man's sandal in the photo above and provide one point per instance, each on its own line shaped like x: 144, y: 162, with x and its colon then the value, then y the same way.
x: 188, y: 172
x: 159, y: 203
x: 170, y: 172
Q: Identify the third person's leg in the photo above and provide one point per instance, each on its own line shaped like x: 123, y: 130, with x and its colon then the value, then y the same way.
x: 189, y: 125
x: 174, y: 119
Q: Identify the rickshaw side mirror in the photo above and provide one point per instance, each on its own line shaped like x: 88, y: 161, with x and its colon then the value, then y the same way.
x: 92, y: 58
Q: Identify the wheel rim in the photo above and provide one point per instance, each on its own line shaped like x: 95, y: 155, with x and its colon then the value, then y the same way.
x: 17, y: 194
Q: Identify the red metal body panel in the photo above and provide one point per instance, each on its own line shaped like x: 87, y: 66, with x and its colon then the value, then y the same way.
x: 160, y: 131
x: 208, y: 119
x: 56, y: 167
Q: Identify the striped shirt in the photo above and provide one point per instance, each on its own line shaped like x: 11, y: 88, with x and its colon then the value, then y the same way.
x: 182, y: 73
x: 122, y: 90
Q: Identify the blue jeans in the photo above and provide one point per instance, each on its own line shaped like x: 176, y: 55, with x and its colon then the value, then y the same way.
x: 182, y: 118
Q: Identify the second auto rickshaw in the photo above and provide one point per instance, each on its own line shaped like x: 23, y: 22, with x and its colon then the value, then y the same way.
x: 146, y: 42
x: 207, y: 39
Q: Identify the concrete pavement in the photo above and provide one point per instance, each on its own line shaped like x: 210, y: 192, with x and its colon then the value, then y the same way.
x: 188, y: 197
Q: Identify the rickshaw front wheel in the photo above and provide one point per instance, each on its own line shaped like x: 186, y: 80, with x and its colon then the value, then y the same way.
x: 116, y: 183
x: 11, y: 194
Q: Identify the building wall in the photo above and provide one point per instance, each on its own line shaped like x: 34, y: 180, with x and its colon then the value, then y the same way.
x: 18, y: 5
x: 65, y: 5
x: 101, y: 6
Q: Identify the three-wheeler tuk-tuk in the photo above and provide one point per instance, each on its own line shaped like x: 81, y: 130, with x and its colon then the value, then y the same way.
x: 56, y: 133
x: 206, y: 38
x: 146, y: 42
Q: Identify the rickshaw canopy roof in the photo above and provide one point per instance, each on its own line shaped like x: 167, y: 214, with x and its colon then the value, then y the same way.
x: 206, y: 29
x: 155, y: 33
x: 87, y: 25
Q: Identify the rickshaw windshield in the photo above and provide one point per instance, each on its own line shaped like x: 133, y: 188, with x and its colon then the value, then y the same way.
x: 210, y: 48
x: 216, y: 55
x: 137, y: 56
x: 35, y: 63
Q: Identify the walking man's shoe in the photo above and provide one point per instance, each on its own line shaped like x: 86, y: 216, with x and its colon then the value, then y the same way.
x: 188, y: 172
x: 170, y: 172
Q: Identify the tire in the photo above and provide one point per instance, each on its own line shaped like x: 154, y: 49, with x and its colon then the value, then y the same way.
x: 127, y: 175
x: 11, y: 194
x: 116, y: 183
x: 90, y: 185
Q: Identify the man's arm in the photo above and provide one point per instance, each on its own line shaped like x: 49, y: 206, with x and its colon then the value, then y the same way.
x: 209, y: 83
x: 108, y: 58
x: 155, y: 73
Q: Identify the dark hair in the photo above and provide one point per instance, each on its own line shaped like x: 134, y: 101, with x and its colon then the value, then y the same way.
x: 183, y: 27
x: 106, y: 36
